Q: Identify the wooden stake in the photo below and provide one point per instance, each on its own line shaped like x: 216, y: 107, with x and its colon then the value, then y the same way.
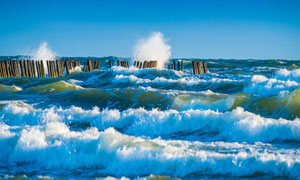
x: 204, y: 64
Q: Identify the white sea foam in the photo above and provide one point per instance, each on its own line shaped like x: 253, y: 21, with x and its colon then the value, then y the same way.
x: 154, y: 47
x: 237, y: 125
x: 184, y: 80
x: 264, y: 86
x: 110, y: 152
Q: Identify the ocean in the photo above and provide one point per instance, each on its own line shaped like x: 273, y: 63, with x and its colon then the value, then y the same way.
x: 238, y: 121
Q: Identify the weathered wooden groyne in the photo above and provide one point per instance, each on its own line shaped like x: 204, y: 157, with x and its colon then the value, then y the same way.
x: 145, y: 64
x: 90, y: 65
x: 179, y: 64
x: 37, y: 68
x: 58, y: 68
x: 199, y: 67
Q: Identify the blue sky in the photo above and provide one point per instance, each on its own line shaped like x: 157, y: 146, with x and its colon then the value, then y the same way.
x: 203, y: 29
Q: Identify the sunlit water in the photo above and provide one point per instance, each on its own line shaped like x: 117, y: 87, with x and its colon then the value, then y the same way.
x: 240, y: 120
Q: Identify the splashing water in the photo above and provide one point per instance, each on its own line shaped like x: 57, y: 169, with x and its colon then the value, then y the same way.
x: 153, y: 48
x: 43, y: 52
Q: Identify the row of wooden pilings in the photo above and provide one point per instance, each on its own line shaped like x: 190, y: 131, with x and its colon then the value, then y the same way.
x: 36, y: 68
x: 33, y: 68
x: 137, y: 64
x: 90, y: 65
x: 145, y: 64
x: 179, y: 66
x: 199, y: 67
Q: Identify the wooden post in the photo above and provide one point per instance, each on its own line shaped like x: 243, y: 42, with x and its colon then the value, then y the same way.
x: 193, y: 66
x: 22, y: 70
x: 51, y: 69
x: 42, y: 68
x: 118, y: 62
x: 151, y: 64
x: 138, y: 64
x: 178, y: 66
x: 2, y: 69
x: 155, y: 64
x: 174, y: 65
x: 67, y: 66
x: 204, y: 64
x: 1, y: 72
x: 18, y: 69
x: 22, y: 64
x: 16, y: 66
x: 11, y: 67
x: 90, y: 65
x: 61, y: 64
x: 48, y: 68
x: 94, y: 65
x: 33, y: 68
x: 27, y: 64
x: 182, y: 66
x: 58, y: 67
x: 84, y: 66
x: 200, y: 68
x: 169, y: 66
x: 28, y: 68
x: 38, y: 68
x: 11, y: 70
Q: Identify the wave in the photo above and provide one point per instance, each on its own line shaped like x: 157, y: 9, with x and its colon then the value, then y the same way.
x: 55, y: 146
x: 263, y: 86
x: 9, y: 89
x: 236, y: 125
x: 59, y: 86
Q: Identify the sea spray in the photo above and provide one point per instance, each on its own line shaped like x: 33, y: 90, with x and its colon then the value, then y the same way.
x: 154, y: 47
x: 43, y: 53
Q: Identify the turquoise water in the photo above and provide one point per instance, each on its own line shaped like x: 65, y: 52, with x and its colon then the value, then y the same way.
x: 240, y: 120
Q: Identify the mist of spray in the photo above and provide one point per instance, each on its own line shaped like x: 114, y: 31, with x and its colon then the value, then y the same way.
x: 155, y: 48
x: 43, y: 53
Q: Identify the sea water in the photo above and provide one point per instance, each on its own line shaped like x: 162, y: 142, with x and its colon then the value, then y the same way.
x: 239, y: 120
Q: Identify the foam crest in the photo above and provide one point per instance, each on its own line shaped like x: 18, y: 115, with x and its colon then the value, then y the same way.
x: 184, y: 80
x: 9, y: 89
x: 269, y: 86
x: 236, y: 125
x: 113, y: 153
